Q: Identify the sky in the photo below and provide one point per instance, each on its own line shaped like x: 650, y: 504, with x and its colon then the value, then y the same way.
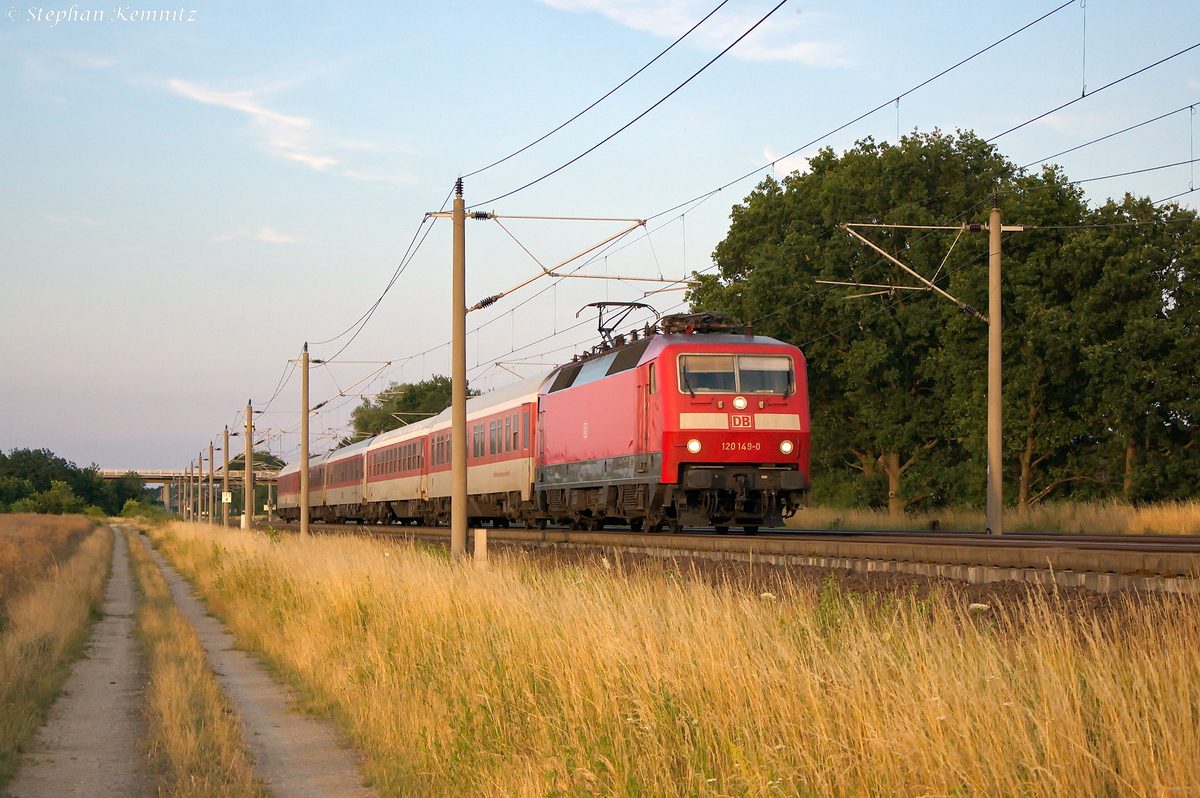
x: 191, y: 193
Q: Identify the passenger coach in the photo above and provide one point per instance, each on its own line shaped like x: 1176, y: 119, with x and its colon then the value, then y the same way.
x: 697, y: 422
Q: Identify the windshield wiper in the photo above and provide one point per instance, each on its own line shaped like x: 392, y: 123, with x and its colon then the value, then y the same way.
x: 688, y: 384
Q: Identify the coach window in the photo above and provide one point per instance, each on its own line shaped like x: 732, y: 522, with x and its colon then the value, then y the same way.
x: 516, y: 433
x: 525, y: 430
x: 508, y: 433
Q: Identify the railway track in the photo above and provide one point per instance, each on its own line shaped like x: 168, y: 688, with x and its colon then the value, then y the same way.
x: 1105, y: 563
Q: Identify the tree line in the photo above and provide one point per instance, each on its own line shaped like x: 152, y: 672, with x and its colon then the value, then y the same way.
x: 399, y: 405
x: 39, y: 481
x: 1101, y: 322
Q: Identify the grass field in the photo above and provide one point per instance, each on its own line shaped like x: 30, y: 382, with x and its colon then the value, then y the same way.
x: 1111, y: 517
x: 48, y: 617
x: 30, y: 545
x: 530, y: 680
x: 194, y: 739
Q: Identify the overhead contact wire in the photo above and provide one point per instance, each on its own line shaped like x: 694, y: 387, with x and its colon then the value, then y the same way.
x: 610, y: 93
x: 863, y: 116
x: 631, y: 122
x: 1094, y: 93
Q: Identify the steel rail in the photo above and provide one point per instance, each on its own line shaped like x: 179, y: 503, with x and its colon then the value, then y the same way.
x: 1149, y: 556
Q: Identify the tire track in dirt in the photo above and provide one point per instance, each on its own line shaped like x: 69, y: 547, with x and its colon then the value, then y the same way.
x: 296, y: 755
x: 89, y: 745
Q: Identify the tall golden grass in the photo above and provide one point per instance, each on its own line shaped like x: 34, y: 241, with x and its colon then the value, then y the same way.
x: 194, y: 738
x: 48, y: 624
x: 31, y: 544
x: 1107, y: 517
x: 529, y: 680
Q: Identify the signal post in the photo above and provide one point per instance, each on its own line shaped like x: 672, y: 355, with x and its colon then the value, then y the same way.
x: 225, y: 496
x: 212, y: 506
x: 304, y: 441
x: 248, y: 474
x: 995, y: 371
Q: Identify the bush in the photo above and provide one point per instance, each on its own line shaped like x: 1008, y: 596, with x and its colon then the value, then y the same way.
x: 59, y: 500
x: 147, y: 512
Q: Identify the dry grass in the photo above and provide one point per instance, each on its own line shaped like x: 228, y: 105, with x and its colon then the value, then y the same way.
x: 556, y: 681
x: 1109, y: 517
x: 48, y: 624
x: 194, y: 737
x: 31, y: 545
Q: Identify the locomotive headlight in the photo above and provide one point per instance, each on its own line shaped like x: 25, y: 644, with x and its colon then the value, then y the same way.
x: 693, y: 446
x: 739, y: 403
x: 786, y: 447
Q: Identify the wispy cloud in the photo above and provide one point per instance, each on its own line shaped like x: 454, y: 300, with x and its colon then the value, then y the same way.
x: 266, y: 234
x: 295, y: 138
x: 781, y: 38
x: 785, y: 165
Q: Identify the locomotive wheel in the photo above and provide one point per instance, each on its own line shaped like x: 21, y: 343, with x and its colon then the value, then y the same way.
x: 721, y: 530
x: 750, y: 530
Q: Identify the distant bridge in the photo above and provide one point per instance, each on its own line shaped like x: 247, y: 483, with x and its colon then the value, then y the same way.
x: 165, y: 476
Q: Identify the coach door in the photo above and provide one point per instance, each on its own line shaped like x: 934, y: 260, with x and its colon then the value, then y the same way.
x: 645, y: 387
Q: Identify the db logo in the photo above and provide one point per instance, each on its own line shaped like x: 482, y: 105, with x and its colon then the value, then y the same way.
x: 739, y: 421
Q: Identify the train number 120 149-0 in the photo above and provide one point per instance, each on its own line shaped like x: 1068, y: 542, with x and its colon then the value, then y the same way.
x: 740, y: 446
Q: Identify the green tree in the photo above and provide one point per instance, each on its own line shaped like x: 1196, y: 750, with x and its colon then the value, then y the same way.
x: 877, y: 383
x: 13, y: 489
x: 400, y: 404
x: 1140, y: 328
x: 1101, y: 314
x: 42, y: 468
x: 58, y: 500
x: 1045, y: 424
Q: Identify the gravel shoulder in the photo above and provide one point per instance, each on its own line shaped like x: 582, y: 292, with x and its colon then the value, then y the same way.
x: 89, y: 745
x: 296, y: 755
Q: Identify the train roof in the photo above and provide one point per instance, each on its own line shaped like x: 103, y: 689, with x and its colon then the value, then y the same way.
x: 510, y: 395
x: 313, y: 459
x: 348, y: 451
x: 598, y: 365
x: 414, y: 430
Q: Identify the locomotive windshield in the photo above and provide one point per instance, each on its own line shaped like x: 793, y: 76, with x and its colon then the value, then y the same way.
x: 758, y: 374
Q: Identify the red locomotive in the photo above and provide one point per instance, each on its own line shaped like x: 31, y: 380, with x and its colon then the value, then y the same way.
x: 697, y: 422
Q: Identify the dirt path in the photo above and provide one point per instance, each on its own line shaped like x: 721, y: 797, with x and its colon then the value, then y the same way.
x: 88, y: 747
x: 296, y: 755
